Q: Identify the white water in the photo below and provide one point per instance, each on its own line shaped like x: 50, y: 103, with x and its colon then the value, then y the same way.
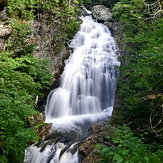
x: 86, y: 92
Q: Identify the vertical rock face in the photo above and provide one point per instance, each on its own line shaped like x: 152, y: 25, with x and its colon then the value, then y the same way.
x: 3, y: 4
x: 49, y: 41
x: 3, y: 15
x: 47, y: 36
x: 5, y: 26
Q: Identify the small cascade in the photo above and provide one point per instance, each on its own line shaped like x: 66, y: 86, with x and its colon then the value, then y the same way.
x: 85, y: 95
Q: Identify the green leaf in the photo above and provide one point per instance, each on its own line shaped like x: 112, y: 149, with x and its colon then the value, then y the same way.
x: 124, y: 152
x: 118, y: 158
x: 146, y: 159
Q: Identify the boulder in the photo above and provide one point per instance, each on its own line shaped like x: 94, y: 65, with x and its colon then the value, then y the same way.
x: 101, y: 13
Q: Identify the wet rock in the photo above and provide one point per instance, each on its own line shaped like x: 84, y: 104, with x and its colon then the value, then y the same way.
x: 101, y: 13
x: 100, y: 133
x: 49, y: 42
x: 44, y: 130
x: 96, y: 128
x: 92, y: 158
x: 37, y: 123
x: 113, y: 27
x: 88, y: 145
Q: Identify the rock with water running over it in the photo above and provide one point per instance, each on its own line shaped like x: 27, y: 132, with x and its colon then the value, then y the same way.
x: 101, y: 13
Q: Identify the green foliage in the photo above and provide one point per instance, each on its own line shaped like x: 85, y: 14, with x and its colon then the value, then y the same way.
x: 27, y: 9
x: 108, y: 4
x: 140, y: 86
x: 37, y: 68
x: 71, y: 27
x: 40, y: 125
x: 23, y: 8
x: 130, y: 14
x: 141, y: 82
x: 22, y: 78
x: 65, y: 11
x: 128, y: 148
x: 20, y: 35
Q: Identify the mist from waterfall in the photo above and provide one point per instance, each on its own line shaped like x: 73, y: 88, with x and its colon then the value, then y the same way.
x: 85, y: 95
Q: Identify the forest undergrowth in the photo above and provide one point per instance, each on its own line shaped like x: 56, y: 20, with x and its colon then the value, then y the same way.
x: 138, y: 136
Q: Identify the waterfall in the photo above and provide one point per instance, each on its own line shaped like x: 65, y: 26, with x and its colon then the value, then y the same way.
x: 85, y: 95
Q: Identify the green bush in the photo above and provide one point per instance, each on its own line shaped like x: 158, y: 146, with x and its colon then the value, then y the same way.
x: 128, y: 148
x: 20, y: 35
x: 140, y: 84
x: 27, y: 9
x: 21, y: 80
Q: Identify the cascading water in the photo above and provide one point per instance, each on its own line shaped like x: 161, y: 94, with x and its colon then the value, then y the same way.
x: 85, y: 95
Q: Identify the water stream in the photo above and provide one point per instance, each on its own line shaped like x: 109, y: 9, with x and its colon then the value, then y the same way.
x: 85, y: 95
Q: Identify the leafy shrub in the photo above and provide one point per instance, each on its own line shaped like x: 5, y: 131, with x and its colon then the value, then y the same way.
x: 141, y: 83
x: 21, y: 79
x: 26, y: 9
x: 130, y: 14
x: 128, y: 148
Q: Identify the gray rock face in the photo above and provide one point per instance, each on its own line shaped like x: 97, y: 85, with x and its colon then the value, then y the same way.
x: 100, y: 133
x: 101, y: 13
x: 5, y: 26
x: 3, y: 15
x: 48, y: 43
